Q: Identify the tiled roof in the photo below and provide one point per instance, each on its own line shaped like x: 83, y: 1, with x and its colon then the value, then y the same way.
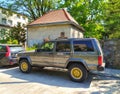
x: 54, y: 16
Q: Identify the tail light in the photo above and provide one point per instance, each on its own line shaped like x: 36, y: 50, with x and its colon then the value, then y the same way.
x: 8, y: 52
x: 100, y: 60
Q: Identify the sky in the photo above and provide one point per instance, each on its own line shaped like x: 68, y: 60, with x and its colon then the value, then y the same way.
x: 7, y: 1
x: 2, y: 0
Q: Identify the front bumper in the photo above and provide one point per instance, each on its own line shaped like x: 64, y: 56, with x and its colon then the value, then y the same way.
x: 13, y: 61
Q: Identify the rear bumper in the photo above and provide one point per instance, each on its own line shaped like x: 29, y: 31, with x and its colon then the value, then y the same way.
x: 101, y: 68
x: 95, y: 67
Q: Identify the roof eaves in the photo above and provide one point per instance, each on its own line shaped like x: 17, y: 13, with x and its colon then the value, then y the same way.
x: 58, y: 23
x: 78, y: 26
x: 66, y: 14
x: 44, y: 24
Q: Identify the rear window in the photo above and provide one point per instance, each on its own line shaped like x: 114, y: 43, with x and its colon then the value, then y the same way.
x: 83, y: 46
x: 16, y: 48
x: 3, y: 48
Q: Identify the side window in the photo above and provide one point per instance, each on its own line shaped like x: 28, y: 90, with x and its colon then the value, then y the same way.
x: 63, y: 46
x: 47, y: 46
x: 3, y: 49
x: 83, y: 46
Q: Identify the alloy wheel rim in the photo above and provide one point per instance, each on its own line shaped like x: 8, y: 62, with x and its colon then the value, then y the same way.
x: 76, y: 73
x: 24, y: 66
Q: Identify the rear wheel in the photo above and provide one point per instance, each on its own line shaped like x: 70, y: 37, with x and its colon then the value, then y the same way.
x: 77, y: 73
x: 25, y: 66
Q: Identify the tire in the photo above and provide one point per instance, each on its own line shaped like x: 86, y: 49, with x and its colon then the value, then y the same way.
x: 25, y: 66
x: 77, y: 72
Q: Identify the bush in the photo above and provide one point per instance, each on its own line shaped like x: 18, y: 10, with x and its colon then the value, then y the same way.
x: 35, y: 46
x: 12, y: 42
x: 115, y: 35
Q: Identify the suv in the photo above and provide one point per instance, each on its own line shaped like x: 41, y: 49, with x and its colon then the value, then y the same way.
x: 8, y: 54
x: 79, y: 56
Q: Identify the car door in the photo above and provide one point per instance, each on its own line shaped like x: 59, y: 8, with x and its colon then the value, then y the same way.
x: 43, y: 56
x: 62, y: 53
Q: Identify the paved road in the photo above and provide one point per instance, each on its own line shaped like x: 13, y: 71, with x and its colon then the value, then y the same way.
x: 49, y: 81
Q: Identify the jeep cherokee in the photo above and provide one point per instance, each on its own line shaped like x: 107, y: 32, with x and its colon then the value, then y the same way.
x: 79, y: 56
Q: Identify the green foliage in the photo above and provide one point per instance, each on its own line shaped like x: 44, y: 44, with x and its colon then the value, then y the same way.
x: 18, y: 33
x: 112, y: 18
x: 99, y: 18
x: 35, y: 46
x: 12, y: 41
x: 4, y: 35
x: 94, y: 30
x: 89, y: 14
x: 30, y: 48
x: 115, y: 35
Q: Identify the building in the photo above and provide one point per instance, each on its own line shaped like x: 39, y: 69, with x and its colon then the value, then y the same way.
x: 9, y: 19
x: 52, y: 25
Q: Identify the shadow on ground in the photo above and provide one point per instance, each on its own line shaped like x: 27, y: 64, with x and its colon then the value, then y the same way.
x: 107, y: 83
x: 47, y: 76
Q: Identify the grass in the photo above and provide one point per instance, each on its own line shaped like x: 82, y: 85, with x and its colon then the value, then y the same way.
x: 30, y: 48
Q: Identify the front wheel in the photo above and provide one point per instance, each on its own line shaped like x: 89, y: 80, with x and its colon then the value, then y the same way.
x: 77, y: 72
x: 25, y: 66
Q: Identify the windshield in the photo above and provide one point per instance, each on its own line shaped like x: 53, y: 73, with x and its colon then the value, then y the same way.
x: 2, y: 49
x: 16, y: 49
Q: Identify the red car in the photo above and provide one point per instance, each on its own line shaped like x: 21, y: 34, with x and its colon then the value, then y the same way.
x: 8, y: 54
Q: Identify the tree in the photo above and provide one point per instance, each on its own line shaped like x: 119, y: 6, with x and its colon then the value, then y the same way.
x: 18, y: 33
x: 88, y: 13
x: 32, y: 8
x: 4, y: 35
x: 99, y: 18
x: 112, y: 19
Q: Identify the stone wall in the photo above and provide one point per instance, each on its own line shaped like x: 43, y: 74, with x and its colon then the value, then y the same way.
x: 111, y: 49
